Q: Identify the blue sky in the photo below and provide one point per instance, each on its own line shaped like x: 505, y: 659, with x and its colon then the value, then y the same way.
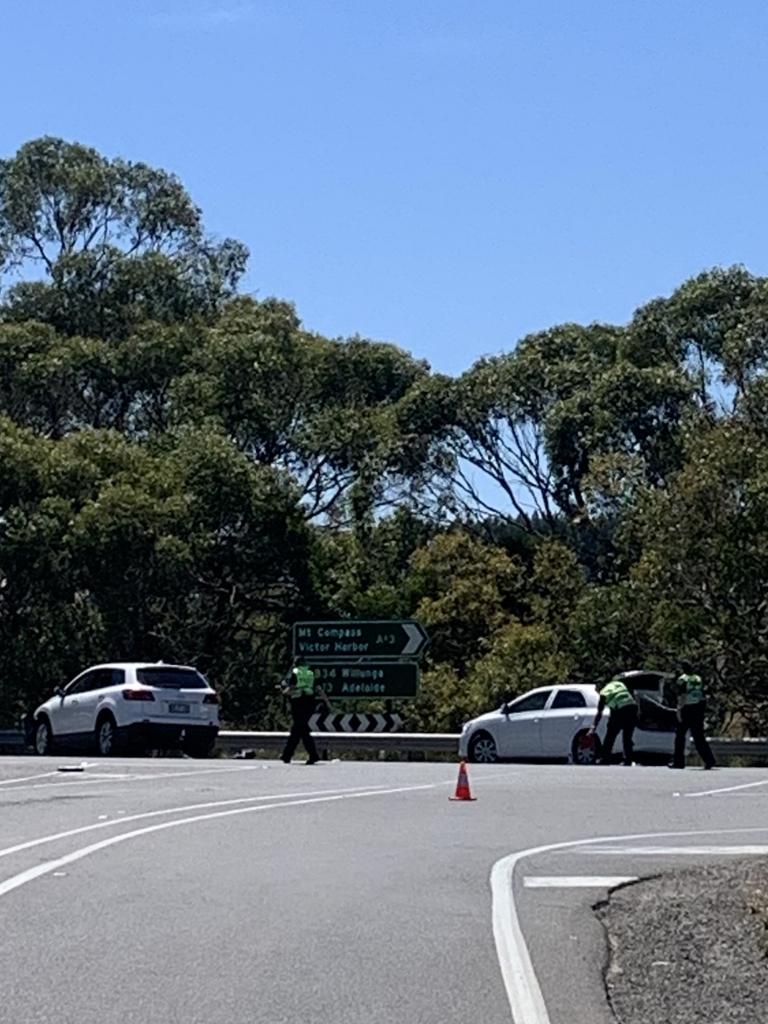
x: 444, y: 174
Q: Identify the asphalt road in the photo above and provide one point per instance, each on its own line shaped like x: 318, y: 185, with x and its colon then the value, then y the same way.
x: 180, y: 891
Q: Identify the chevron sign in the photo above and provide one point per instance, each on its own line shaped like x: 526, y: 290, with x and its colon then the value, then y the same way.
x: 332, y: 722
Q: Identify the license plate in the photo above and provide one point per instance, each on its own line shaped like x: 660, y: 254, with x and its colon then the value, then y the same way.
x: 179, y: 709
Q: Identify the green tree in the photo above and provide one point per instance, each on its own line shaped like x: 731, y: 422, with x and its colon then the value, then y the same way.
x: 703, y: 564
x: 530, y: 424
x: 116, y: 242
x: 109, y: 550
x: 326, y: 412
x: 466, y: 590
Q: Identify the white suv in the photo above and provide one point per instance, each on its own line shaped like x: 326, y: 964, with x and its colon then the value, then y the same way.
x: 127, y: 704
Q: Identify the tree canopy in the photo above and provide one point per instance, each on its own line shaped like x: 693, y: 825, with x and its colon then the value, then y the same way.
x: 186, y: 470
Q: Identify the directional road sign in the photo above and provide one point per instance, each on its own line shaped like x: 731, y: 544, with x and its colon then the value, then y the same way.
x: 362, y: 639
x: 367, y: 680
x: 325, y: 721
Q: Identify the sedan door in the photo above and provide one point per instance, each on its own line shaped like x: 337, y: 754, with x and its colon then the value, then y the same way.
x: 567, y: 714
x: 520, y: 729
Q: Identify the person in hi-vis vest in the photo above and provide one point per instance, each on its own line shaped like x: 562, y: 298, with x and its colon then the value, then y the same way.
x: 300, y: 687
x: 691, y: 708
x: 615, y: 696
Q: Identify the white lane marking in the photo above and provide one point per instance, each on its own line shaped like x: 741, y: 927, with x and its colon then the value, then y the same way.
x: 577, y: 881
x: 24, y: 877
x: 523, y: 990
x: 678, y: 851
x: 96, y: 780
x: 55, y: 836
x: 27, y: 778
x: 726, y: 789
x: 90, y: 777
x: 161, y: 763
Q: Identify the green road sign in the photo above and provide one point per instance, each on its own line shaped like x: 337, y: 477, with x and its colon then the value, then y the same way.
x: 367, y: 680
x: 338, y: 641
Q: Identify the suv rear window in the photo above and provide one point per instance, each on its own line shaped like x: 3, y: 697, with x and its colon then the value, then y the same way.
x: 172, y: 678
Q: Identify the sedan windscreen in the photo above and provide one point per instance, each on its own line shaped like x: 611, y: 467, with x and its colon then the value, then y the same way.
x: 172, y: 678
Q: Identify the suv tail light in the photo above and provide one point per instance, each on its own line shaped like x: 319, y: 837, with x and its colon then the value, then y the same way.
x: 211, y: 698
x: 138, y: 695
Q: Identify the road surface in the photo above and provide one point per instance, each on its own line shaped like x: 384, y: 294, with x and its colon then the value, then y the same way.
x: 182, y: 891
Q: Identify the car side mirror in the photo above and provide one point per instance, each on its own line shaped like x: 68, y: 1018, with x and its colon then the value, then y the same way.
x: 58, y: 692
x: 505, y: 709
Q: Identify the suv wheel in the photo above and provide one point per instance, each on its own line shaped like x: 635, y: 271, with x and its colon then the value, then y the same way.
x: 106, y: 736
x: 43, y: 738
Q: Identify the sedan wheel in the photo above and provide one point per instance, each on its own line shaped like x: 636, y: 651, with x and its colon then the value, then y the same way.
x: 482, y: 749
x: 584, y: 749
x: 43, y: 738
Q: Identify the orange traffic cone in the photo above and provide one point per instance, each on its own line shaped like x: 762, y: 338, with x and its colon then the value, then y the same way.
x: 462, y: 785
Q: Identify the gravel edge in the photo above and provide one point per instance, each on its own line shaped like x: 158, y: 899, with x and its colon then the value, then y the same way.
x: 690, y: 947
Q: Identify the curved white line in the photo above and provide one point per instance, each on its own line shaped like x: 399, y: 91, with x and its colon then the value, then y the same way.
x: 523, y: 990
x: 54, y: 836
x: 24, y: 877
x: 680, y: 851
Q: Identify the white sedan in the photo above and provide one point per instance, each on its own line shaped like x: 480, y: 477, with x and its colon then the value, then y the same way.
x: 552, y: 722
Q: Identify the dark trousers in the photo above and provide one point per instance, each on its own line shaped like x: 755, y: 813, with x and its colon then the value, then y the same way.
x: 302, y: 709
x: 692, y: 720
x: 622, y: 720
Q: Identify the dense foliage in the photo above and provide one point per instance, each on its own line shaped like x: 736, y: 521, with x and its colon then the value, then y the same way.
x: 185, y: 470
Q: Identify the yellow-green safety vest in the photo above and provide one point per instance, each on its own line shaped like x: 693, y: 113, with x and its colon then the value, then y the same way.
x: 616, y: 695
x: 693, y: 689
x: 305, y: 680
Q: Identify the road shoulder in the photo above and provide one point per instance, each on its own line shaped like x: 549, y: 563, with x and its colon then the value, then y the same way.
x: 689, y: 947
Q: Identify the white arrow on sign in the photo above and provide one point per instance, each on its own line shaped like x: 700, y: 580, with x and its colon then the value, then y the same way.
x: 415, y: 639
x: 364, y: 723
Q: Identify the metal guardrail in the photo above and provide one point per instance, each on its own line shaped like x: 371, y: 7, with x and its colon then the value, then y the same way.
x: 12, y: 739
x: 230, y: 741
x: 233, y: 741
x: 724, y: 749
